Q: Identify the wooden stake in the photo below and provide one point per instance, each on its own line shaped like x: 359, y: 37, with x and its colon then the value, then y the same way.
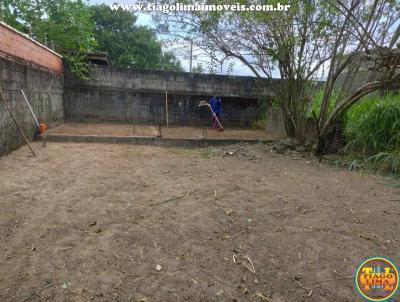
x: 15, y: 121
x: 166, y: 107
x: 133, y: 118
x: 159, y: 130
x: 204, y: 133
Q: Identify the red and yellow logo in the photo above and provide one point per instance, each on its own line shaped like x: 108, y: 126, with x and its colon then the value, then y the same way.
x: 377, y: 279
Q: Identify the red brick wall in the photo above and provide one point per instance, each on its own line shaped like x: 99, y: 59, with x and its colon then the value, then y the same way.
x: 15, y: 44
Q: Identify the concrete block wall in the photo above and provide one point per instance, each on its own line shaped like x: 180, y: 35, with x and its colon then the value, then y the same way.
x: 43, y: 90
x: 115, y: 94
x: 98, y: 105
x: 107, y: 77
x: 27, y: 65
x: 275, y: 125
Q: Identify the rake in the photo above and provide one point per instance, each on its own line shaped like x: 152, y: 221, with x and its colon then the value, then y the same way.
x: 204, y: 103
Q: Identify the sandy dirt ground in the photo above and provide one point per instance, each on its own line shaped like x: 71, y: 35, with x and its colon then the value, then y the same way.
x: 92, y: 222
x: 170, y: 132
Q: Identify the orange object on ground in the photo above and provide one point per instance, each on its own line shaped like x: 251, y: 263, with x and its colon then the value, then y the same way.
x: 42, y: 128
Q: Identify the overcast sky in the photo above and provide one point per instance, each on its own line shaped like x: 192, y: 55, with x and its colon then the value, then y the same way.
x: 145, y: 20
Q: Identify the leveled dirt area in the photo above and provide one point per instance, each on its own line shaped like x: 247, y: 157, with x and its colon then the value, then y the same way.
x: 91, y: 222
x: 170, y: 132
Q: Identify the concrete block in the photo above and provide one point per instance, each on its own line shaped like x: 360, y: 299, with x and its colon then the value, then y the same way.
x: 39, y: 86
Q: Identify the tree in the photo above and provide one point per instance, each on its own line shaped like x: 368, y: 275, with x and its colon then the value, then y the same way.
x: 292, y: 42
x: 64, y: 25
x: 198, y: 68
x: 298, y: 45
x: 23, y: 15
x: 365, y: 47
x: 128, y: 45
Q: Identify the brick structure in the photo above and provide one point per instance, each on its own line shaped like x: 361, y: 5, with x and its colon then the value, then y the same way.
x: 18, y: 45
x: 28, y: 65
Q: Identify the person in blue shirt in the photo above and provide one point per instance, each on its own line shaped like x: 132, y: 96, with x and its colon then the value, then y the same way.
x: 216, y: 107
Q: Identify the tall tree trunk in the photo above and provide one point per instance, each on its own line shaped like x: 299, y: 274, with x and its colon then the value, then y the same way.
x: 289, y: 127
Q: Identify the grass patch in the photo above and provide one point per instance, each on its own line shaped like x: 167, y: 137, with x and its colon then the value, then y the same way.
x: 372, y: 130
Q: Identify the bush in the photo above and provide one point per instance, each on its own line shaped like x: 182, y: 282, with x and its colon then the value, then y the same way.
x: 372, y: 128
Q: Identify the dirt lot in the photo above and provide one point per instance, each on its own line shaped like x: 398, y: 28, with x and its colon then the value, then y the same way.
x: 90, y: 222
x: 170, y: 132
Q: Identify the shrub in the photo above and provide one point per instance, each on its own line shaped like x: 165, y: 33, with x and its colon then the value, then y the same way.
x: 372, y: 128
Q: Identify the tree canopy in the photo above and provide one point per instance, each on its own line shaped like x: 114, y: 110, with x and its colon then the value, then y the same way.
x: 129, y: 45
x: 74, y: 29
x: 63, y: 25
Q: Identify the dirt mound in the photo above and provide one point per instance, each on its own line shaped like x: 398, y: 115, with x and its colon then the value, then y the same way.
x: 258, y: 151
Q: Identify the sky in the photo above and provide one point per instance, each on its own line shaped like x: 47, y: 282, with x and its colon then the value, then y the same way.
x: 145, y: 20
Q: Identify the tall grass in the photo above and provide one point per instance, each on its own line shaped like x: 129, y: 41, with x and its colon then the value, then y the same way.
x: 372, y: 128
x: 315, y: 105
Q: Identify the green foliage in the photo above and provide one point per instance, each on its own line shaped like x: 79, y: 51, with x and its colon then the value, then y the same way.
x: 275, y: 103
x: 12, y: 16
x: 208, y: 153
x: 64, y: 25
x: 372, y: 128
x: 75, y: 29
x: 168, y: 61
x: 128, y: 45
x: 78, y: 65
x: 198, y: 68
x: 387, y: 159
x: 68, y: 26
x: 315, y: 105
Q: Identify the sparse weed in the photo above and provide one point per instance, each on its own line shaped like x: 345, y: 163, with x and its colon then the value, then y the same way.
x: 209, y: 152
